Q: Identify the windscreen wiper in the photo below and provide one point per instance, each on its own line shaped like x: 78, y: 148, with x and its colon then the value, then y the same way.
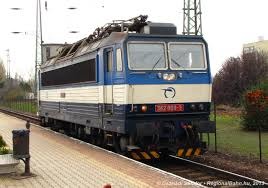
x: 157, y: 62
x: 176, y: 63
x: 179, y: 65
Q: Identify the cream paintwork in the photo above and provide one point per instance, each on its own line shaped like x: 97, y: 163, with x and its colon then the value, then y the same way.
x: 129, y: 94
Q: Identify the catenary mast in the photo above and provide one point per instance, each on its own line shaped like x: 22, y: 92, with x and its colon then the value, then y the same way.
x: 8, y: 65
x: 192, y: 23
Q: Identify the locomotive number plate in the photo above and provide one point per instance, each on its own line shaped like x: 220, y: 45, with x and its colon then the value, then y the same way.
x: 169, y: 108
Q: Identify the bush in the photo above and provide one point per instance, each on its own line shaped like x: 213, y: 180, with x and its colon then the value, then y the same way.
x: 14, y: 93
x: 3, y: 149
x: 255, y: 112
x: 2, y: 142
x: 2, y: 84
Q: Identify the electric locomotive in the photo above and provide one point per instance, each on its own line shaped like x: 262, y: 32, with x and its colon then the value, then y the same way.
x: 134, y: 85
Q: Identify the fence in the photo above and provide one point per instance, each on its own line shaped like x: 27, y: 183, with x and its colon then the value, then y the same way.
x: 233, y: 139
x: 21, y: 105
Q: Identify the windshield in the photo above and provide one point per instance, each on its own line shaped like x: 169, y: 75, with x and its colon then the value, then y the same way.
x: 147, y: 56
x: 186, y: 56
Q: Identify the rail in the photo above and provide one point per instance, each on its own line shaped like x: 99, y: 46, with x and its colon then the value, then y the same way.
x: 207, y: 175
x: 24, y: 116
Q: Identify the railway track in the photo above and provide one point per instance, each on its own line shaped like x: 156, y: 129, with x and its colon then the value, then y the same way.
x: 200, y: 173
x: 206, y: 175
x: 25, y: 116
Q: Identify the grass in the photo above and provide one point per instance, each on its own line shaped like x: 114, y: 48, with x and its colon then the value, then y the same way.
x: 22, y: 106
x: 232, y: 138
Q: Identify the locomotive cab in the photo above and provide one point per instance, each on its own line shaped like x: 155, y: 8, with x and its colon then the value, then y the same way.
x: 163, y: 82
x: 169, y: 92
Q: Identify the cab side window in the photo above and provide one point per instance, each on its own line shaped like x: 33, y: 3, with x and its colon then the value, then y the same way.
x: 109, y: 56
x: 119, y: 62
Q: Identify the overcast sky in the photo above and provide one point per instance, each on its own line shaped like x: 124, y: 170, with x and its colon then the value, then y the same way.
x: 227, y: 24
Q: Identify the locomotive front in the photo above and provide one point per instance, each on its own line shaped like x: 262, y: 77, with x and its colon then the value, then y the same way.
x: 169, y: 92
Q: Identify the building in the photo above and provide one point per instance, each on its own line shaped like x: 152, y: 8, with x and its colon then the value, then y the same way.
x: 51, y: 50
x: 261, y: 45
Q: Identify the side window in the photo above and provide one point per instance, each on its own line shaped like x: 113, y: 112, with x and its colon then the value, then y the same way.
x: 109, y: 56
x: 76, y: 73
x: 119, y: 63
x: 47, y: 52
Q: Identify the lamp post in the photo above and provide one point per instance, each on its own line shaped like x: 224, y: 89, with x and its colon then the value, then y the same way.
x: 39, y: 43
x: 8, y: 56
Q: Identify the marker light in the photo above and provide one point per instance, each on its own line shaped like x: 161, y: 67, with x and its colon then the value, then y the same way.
x: 144, y: 108
x: 159, y: 75
x: 135, y: 108
x: 193, y: 107
x: 201, y: 107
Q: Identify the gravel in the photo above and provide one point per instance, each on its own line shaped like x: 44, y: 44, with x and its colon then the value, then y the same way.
x: 237, y: 164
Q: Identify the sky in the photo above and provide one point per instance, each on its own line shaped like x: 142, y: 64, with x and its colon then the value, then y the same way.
x: 227, y: 24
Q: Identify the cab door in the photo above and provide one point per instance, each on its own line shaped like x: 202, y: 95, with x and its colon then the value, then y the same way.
x: 108, y: 98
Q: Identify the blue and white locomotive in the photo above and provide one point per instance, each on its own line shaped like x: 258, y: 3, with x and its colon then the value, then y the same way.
x: 135, y: 85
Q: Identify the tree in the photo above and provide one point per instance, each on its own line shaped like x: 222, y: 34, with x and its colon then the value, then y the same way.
x: 237, y: 75
x: 2, y: 74
x: 31, y: 80
x: 226, y: 83
x: 254, y: 68
x: 17, y: 88
x: 2, y: 71
x: 14, y: 93
x: 25, y: 86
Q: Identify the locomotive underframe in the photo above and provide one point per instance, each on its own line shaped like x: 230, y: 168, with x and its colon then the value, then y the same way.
x: 158, y: 133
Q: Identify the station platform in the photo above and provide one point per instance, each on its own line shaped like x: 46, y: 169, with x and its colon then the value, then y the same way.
x: 60, y: 161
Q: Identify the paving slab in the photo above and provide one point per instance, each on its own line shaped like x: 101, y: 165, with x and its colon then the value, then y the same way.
x: 59, y: 161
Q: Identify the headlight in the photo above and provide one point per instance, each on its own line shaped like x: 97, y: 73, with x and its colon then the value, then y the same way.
x: 169, y: 77
x: 172, y: 76
x: 165, y: 76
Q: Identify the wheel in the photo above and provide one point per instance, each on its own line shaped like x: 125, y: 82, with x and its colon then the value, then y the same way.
x: 93, y: 139
x: 80, y: 132
x: 54, y: 126
x: 43, y: 122
x: 123, y: 141
x: 116, y: 143
x: 100, y: 139
x: 120, y: 143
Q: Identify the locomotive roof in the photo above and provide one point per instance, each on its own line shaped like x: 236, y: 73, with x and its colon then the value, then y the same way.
x: 82, y: 47
x: 111, y: 33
